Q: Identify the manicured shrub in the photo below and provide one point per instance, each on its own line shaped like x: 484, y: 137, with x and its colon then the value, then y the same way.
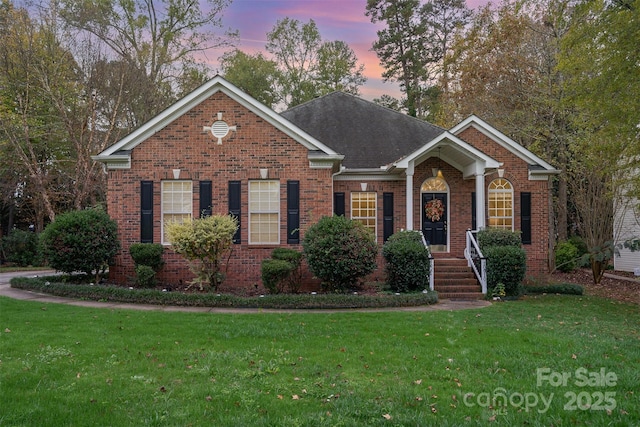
x: 294, y: 280
x: 339, y: 251
x: 149, y: 256
x: 407, y: 264
x: 21, y: 247
x: 145, y: 276
x: 498, y: 237
x: 84, y: 241
x: 275, y: 274
x: 204, y: 242
x: 566, y: 257
x: 506, y: 265
x: 559, y: 288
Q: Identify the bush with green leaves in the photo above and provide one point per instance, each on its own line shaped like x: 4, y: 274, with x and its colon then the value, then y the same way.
x: 506, y: 265
x: 204, y: 242
x: 498, y: 237
x: 407, y: 260
x: 21, y: 247
x: 81, y: 241
x: 293, y: 257
x: 566, y: 257
x: 148, y: 261
x: 339, y: 252
x: 275, y: 274
x: 147, y: 254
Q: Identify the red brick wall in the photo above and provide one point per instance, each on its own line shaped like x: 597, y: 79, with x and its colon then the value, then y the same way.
x: 257, y: 144
x: 183, y: 145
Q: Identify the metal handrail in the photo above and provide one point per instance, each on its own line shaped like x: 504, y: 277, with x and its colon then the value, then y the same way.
x: 473, y: 254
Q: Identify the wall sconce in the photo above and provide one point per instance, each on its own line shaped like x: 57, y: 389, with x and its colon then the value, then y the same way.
x: 363, y: 186
x: 264, y: 173
x: 176, y: 174
x: 501, y: 173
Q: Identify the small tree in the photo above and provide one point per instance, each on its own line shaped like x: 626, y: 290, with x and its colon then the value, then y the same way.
x: 21, y: 247
x: 83, y: 241
x: 339, y: 251
x: 204, y: 242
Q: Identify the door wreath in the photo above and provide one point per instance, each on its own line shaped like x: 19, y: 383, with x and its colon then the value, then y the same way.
x: 434, y: 209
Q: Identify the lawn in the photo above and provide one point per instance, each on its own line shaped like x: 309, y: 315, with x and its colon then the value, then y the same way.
x: 541, y: 361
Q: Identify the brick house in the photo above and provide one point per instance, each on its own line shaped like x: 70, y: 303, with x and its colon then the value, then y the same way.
x: 220, y: 151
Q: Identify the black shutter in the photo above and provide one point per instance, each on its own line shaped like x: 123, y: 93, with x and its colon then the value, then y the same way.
x: 525, y: 217
x: 293, y: 212
x: 474, y: 218
x: 205, y: 198
x: 234, y: 206
x: 338, y: 204
x: 146, y: 211
x: 387, y: 215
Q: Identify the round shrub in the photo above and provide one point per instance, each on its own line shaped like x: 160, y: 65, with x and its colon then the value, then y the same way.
x: 149, y: 254
x: 340, y: 251
x: 294, y: 280
x: 566, y: 257
x: 21, y: 247
x: 275, y: 274
x: 84, y: 241
x: 407, y: 264
x: 507, y: 265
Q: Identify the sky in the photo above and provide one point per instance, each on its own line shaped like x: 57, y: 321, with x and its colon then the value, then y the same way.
x: 343, y: 20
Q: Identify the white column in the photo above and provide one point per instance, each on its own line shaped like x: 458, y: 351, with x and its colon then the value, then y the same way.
x: 480, y: 201
x: 409, y: 196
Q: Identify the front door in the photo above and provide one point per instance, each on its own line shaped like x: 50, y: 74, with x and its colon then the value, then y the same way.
x: 434, y: 220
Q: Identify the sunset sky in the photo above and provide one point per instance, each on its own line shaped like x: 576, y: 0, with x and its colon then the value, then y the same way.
x: 336, y: 20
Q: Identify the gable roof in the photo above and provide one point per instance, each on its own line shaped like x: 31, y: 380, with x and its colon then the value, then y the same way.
x: 369, y: 135
x: 118, y: 155
x: 537, y: 166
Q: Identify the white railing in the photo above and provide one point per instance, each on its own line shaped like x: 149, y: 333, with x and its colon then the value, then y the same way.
x: 431, y: 263
x: 476, y: 260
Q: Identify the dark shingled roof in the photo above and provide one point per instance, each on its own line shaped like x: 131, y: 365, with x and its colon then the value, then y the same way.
x: 368, y: 135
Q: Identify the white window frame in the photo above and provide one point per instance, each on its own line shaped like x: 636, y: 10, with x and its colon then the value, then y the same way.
x: 502, y: 192
x: 264, y: 202
x: 357, y: 196
x: 175, y: 202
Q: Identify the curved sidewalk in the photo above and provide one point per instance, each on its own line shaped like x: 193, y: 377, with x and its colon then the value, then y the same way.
x: 7, y: 291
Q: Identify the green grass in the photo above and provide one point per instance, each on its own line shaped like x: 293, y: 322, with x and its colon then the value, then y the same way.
x: 65, y: 365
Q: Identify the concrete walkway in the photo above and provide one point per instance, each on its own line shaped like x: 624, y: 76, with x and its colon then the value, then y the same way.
x: 7, y: 291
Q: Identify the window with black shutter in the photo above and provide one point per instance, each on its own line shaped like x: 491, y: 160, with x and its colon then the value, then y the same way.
x: 387, y: 215
x: 205, y: 199
x: 146, y: 211
x: 525, y: 218
x: 235, y: 207
x: 338, y: 204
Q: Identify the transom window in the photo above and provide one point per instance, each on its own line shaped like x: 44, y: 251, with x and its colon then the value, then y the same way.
x: 434, y: 185
x: 363, y: 209
x: 177, y: 205
x: 264, y: 212
x: 501, y: 204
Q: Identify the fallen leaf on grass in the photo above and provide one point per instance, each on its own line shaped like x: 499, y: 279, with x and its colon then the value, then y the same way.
x: 387, y: 416
x: 295, y: 397
x: 209, y: 398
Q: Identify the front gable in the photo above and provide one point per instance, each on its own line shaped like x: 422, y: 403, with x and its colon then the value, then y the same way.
x: 118, y: 156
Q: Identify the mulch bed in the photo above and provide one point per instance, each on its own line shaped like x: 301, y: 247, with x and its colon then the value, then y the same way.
x: 614, y: 288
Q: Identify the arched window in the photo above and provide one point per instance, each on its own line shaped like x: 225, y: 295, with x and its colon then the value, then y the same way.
x: 501, y: 204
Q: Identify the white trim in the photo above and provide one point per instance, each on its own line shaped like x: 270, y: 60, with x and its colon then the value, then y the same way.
x: 181, y: 107
x: 251, y: 212
x: 506, y: 142
x: 375, y: 210
x: 162, y: 203
x: 456, y: 143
